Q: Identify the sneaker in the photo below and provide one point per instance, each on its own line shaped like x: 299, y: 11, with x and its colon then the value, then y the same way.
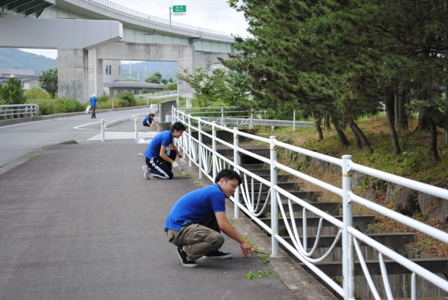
x: 184, y: 259
x: 218, y: 255
x: 146, y: 172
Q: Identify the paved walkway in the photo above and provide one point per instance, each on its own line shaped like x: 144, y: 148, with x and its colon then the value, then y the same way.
x: 79, y: 221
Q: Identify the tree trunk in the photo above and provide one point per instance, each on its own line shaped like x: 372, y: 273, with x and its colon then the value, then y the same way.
x: 317, y: 123
x: 389, y: 104
x: 340, y: 132
x: 433, y: 144
x: 359, y: 134
x: 327, y: 121
x: 401, y: 118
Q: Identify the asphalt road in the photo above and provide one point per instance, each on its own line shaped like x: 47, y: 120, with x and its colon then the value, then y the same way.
x: 22, y: 139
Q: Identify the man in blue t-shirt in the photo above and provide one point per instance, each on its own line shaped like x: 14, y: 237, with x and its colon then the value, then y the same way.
x: 159, y: 160
x: 196, y: 220
x: 148, y: 120
x: 93, y: 103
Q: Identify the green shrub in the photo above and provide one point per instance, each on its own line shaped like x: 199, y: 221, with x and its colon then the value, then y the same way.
x: 126, y: 99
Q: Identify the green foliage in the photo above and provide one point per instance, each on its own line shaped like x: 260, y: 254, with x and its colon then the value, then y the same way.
x: 145, y: 91
x: 170, y: 86
x: 49, y: 81
x: 126, y: 99
x: 156, y: 77
x: 260, y: 274
x: 18, y: 59
x: 35, y: 93
x: 11, y: 92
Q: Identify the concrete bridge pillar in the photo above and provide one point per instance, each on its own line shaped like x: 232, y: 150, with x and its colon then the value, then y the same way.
x: 96, y: 72
x: 73, y: 74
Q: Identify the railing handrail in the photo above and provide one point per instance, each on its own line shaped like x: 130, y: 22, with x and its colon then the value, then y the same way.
x: 210, y: 161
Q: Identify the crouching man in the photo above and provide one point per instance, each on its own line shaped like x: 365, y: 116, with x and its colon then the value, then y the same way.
x: 196, y: 220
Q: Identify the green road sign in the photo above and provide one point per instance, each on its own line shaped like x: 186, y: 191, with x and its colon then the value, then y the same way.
x: 179, y: 9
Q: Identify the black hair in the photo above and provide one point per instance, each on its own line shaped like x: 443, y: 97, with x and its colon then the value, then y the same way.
x: 151, y: 115
x: 178, y: 126
x: 228, y: 174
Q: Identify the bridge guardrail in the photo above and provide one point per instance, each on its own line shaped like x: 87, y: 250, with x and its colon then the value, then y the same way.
x: 209, y: 161
x: 130, y: 13
x: 18, y: 111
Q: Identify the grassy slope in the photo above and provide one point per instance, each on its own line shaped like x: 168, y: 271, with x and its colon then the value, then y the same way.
x: 414, y: 163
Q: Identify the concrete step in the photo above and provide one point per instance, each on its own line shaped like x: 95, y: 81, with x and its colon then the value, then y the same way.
x: 359, y: 222
x: 331, y: 208
x: 395, y: 241
x: 436, y: 265
x: 307, y: 196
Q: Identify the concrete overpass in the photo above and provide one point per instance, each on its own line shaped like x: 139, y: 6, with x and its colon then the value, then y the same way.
x: 87, y: 33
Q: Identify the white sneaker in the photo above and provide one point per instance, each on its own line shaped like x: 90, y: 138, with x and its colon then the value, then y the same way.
x: 146, y: 172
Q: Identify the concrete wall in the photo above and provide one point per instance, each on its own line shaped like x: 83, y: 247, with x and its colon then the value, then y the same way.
x: 73, y: 74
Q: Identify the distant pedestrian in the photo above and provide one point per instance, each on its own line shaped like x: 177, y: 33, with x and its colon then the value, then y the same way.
x: 93, y: 104
x: 160, y: 155
x: 149, y: 120
x: 196, y: 220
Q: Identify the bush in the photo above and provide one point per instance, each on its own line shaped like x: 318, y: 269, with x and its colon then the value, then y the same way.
x: 126, y: 99
x: 46, y: 107
x: 35, y: 93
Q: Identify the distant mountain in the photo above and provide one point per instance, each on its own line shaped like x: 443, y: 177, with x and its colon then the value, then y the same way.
x: 18, y: 59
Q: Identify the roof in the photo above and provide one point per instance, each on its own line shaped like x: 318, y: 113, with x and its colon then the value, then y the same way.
x: 133, y: 84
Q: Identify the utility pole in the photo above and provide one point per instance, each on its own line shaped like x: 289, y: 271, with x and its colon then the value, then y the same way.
x: 169, y: 13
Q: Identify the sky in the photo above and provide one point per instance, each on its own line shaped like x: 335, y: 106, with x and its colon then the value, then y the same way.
x: 209, y: 14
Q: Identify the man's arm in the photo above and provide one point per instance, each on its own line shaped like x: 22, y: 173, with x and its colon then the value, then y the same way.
x: 163, y: 155
x: 228, y: 229
x: 173, y: 146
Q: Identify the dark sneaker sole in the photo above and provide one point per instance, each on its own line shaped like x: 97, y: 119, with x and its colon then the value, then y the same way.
x: 227, y: 256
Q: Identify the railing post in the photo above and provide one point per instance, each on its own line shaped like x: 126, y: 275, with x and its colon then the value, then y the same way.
x: 236, y: 160
x: 214, y: 161
x: 188, y: 142
x: 102, y: 130
x: 136, y: 129
x: 251, y: 122
x: 199, y: 148
x: 347, y: 242
x: 222, y: 116
x: 274, y: 211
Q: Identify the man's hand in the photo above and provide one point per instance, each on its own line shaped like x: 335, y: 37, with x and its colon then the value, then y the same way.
x: 246, y: 249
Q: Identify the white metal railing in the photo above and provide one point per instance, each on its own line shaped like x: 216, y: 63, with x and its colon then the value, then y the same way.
x: 209, y: 161
x: 18, y: 111
x: 226, y: 116
x: 139, y: 16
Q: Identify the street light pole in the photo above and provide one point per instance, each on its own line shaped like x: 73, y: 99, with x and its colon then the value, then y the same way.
x: 169, y: 13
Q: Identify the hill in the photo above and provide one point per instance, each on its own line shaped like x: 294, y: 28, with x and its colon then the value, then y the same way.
x: 18, y: 59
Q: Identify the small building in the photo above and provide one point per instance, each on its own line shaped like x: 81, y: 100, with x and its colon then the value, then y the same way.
x: 26, y: 77
x: 135, y: 87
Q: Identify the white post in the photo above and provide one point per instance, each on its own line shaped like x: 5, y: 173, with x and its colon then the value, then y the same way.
x: 236, y: 160
x: 136, y: 129
x: 274, y: 210
x: 199, y: 156
x: 348, y: 266
x: 214, y: 161
x: 294, y: 121
x: 102, y: 130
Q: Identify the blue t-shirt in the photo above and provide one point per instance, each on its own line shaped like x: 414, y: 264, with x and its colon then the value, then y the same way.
x: 93, y: 101
x: 165, y: 138
x: 148, y: 118
x: 196, y: 206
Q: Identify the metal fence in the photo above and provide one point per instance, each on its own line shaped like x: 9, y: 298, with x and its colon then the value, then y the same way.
x: 209, y: 160
x: 231, y: 116
x: 18, y: 111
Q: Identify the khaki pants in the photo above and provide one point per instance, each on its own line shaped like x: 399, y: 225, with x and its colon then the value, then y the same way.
x: 198, y: 239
